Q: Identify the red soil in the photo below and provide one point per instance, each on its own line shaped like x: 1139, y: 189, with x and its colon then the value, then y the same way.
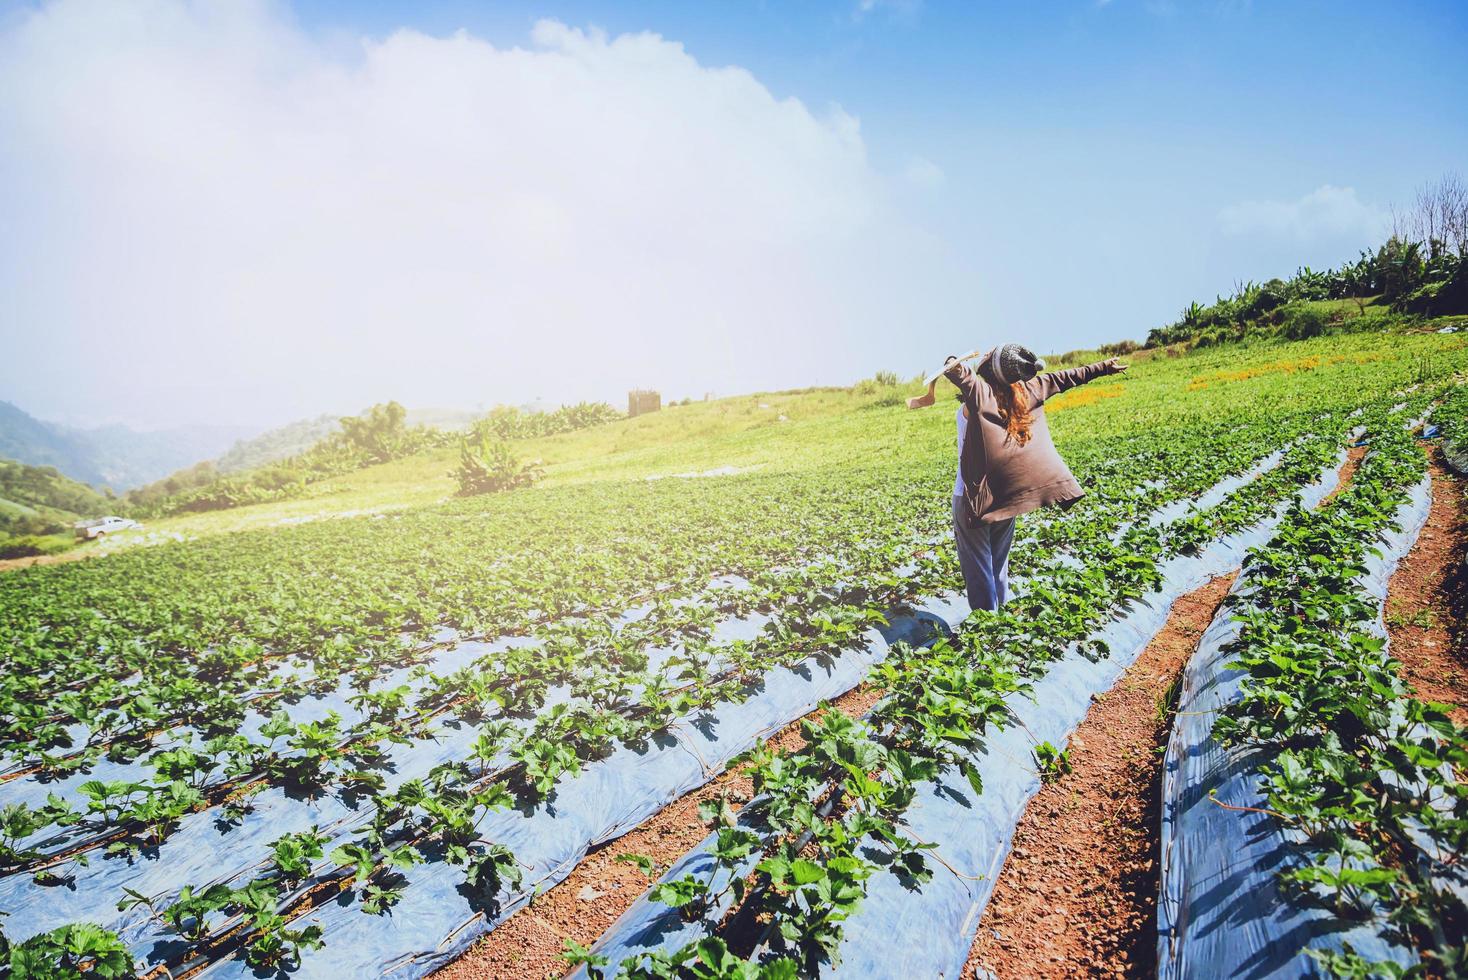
x: 1427, y: 599
x: 1078, y: 894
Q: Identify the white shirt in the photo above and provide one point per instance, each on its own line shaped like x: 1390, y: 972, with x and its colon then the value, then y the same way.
x: 962, y: 428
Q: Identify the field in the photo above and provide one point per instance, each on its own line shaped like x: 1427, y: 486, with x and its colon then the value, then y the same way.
x: 354, y: 733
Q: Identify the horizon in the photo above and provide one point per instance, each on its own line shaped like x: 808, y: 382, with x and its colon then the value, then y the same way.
x: 258, y: 213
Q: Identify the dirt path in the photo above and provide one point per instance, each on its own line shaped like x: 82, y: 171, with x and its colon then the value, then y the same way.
x: 1427, y: 598
x: 1078, y: 894
x: 601, y: 888
x: 13, y: 564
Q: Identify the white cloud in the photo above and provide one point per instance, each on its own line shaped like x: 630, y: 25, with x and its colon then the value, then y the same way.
x: 1326, y: 212
x: 923, y: 172
x: 248, y: 223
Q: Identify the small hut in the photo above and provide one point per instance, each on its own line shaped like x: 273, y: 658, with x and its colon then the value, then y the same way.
x: 641, y: 402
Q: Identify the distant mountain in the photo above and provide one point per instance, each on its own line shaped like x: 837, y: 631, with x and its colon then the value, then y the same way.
x: 122, y: 458
x: 111, y: 456
x: 277, y: 444
x: 38, y: 443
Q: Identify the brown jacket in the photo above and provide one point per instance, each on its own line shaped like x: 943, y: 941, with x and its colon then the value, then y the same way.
x: 1001, y: 478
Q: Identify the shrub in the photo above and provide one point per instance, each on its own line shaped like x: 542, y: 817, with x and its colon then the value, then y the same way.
x: 1440, y: 297
x: 514, y: 423
x: 486, y: 465
x: 1119, y: 349
x: 887, y: 398
x: 1305, y: 322
x: 380, y: 434
x: 1399, y: 268
x: 1215, y: 336
x: 1257, y: 302
x: 26, y: 547
x: 1370, y: 321
x: 880, y: 390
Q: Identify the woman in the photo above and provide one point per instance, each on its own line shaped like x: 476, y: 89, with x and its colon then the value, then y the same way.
x: 1007, y: 465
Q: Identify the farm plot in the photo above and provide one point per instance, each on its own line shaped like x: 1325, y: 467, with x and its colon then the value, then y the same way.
x: 186, y: 849
x: 351, y: 747
x: 607, y: 780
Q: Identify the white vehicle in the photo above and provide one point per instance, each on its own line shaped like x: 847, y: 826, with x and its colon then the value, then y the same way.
x: 91, y: 530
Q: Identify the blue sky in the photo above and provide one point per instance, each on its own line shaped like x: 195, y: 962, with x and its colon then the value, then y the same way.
x: 1057, y: 173
x: 1270, y: 97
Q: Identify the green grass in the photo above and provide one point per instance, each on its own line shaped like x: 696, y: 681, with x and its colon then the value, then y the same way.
x: 29, y: 545
x: 1345, y: 308
x: 789, y: 432
x: 11, y: 508
x: 13, y: 545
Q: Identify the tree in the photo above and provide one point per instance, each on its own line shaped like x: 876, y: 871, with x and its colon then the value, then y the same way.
x: 1399, y: 268
x: 380, y: 433
x: 1438, y: 217
x: 486, y: 465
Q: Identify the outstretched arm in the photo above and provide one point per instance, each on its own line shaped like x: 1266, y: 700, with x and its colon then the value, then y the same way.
x: 1046, y: 386
x: 923, y: 401
x: 953, y: 370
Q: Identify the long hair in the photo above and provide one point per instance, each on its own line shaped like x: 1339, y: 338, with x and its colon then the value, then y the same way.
x: 1014, y: 411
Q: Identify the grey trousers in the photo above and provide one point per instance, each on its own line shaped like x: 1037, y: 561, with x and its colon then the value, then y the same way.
x: 983, y: 554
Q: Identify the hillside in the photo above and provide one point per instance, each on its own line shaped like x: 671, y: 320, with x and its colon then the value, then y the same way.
x: 38, y: 505
x: 791, y: 432
x: 29, y: 440
x: 743, y: 434
x: 109, y: 456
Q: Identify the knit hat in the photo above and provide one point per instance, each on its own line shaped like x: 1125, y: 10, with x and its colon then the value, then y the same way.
x: 1011, y: 363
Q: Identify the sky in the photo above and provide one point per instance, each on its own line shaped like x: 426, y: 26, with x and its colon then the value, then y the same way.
x: 249, y: 212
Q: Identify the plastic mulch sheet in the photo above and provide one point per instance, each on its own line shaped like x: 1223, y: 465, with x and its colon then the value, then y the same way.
x: 1221, y: 912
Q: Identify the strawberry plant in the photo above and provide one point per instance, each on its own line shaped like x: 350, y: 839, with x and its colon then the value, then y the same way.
x: 73, y: 951
x: 1051, y: 762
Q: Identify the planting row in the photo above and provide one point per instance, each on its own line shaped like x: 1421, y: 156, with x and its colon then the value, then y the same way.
x: 1313, y: 812
x: 1451, y: 418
